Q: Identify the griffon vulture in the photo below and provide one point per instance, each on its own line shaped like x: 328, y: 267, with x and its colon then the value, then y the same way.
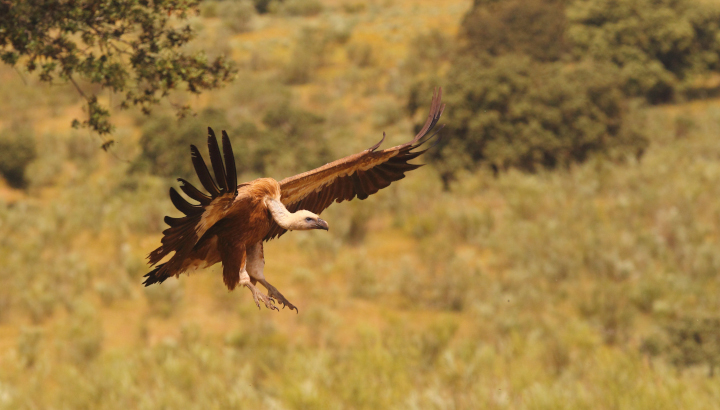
x: 230, y: 224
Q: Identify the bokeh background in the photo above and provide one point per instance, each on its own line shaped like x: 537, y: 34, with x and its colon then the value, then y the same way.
x: 560, y: 250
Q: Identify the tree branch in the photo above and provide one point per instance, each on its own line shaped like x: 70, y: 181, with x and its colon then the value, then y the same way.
x: 20, y: 74
x: 77, y: 87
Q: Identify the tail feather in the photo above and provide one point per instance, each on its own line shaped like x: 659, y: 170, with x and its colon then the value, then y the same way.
x: 154, y: 276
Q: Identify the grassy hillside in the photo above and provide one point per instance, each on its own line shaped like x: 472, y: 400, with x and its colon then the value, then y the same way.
x: 548, y: 290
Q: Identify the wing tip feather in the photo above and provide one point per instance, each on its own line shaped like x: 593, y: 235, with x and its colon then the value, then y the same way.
x: 436, y: 110
x: 376, y: 146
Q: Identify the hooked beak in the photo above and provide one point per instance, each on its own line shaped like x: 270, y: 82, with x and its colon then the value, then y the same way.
x: 321, y: 224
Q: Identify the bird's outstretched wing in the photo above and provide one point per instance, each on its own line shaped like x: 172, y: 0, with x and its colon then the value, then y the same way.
x: 361, y: 175
x: 185, y: 232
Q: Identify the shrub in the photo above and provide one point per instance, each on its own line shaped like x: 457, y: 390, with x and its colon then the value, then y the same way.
x: 657, y: 44
x: 532, y: 27
x: 313, y: 44
x: 237, y: 15
x: 361, y: 54
x: 28, y: 345
x: 110, y: 292
x: 209, y: 9
x: 5, y: 304
x: 424, y: 67
x: 608, y: 309
x: 516, y: 114
x: 358, y: 227
x: 695, y: 341
x: 386, y: 112
x: 165, y: 299
x: 444, y: 281
x: 292, y: 140
x: 165, y: 143
x: 263, y: 6
x: 39, y: 301
x: 84, y: 334
x: 435, y: 339
x: 301, y: 7
x: 364, y: 283
x: 17, y: 150
x: 353, y: 8
x: 307, y: 56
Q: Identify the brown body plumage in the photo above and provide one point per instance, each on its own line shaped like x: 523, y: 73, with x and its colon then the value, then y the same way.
x: 230, y: 224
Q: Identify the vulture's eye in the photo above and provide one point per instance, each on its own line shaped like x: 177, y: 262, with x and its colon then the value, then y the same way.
x: 308, y: 219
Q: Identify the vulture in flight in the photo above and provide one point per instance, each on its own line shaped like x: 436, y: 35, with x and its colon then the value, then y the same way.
x: 231, y: 222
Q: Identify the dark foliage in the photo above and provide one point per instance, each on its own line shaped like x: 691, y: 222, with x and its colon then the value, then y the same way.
x: 309, y: 53
x: 17, y: 150
x: 131, y: 47
x: 695, y: 341
x: 166, y: 143
x: 657, y: 44
x: 544, y: 83
x: 532, y: 27
x: 515, y: 113
x: 262, y: 6
x: 291, y: 140
x: 429, y: 52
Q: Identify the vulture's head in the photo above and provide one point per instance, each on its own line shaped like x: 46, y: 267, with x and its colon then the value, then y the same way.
x: 305, y: 220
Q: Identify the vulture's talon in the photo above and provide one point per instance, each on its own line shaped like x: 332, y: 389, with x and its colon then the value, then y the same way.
x: 274, y: 293
x: 258, y: 296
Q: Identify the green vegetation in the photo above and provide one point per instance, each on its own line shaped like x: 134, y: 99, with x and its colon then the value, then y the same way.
x: 545, y: 83
x: 448, y: 295
x: 300, y: 7
x: 590, y: 282
x: 535, y: 28
x: 290, y: 138
x: 518, y: 114
x: 17, y: 150
x: 132, y: 48
x: 657, y: 45
x: 695, y: 341
x: 237, y: 15
x: 165, y: 140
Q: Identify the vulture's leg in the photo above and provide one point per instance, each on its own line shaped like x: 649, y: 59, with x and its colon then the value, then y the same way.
x: 255, y: 267
x: 258, y: 296
x: 234, y: 273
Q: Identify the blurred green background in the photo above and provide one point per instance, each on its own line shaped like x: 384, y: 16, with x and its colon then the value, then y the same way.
x: 560, y: 250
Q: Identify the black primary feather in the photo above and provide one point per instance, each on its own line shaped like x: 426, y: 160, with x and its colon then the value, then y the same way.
x: 182, y: 205
x: 194, y: 193
x: 230, y: 170
x: 203, y: 173
x: 216, y: 161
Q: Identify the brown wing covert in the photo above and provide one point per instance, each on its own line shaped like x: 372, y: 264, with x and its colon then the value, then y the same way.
x: 359, y: 175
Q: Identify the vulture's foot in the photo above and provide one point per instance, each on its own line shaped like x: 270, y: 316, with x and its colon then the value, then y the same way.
x: 274, y: 293
x: 259, y: 296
